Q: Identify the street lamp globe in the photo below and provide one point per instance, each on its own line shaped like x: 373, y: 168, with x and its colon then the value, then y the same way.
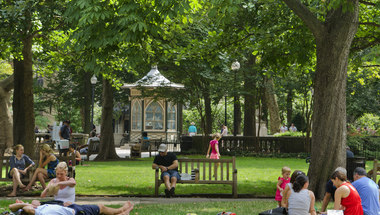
x: 93, y: 80
x: 235, y: 65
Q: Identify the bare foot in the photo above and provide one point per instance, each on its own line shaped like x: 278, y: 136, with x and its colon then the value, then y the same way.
x: 11, y: 195
x: 127, y: 207
x: 19, y: 201
x: 21, y: 185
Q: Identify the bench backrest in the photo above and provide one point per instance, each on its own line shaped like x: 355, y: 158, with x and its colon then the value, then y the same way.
x: 94, y: 146
x: 206, y: 168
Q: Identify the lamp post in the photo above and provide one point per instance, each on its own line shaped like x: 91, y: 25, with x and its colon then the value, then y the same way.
x: 93, y: 82
x: 225, y: 110
x: 235, y: 66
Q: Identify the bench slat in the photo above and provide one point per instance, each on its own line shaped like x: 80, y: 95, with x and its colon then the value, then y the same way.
x: 221, y: 171
x: 228, y: 171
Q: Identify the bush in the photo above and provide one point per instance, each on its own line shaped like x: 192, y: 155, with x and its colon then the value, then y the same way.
x: 291, y: 134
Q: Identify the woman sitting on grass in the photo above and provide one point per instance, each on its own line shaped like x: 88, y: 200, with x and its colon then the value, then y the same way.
x: 18, y: 168
x: 48, y: 158
x: 62, y: 187
x: 300, y: 199
x: 289, y: 186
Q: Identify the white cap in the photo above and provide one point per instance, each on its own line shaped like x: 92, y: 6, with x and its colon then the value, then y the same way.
x: 162, y: 148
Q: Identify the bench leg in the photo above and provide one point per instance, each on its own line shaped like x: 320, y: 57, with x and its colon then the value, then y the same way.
x: 156, y: 189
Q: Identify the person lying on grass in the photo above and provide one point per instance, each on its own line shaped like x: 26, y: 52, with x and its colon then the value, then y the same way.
x: 69, y: 208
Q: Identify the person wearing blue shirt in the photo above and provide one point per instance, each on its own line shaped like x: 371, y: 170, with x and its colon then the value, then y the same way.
x: 192, y: 129
x: 368, y: 191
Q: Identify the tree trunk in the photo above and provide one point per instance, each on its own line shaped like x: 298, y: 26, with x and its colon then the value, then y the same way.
x: 6, y: 138
x: 289, y: 107
x: 86, y: 103
x: 249, y: 99
x: 23, y: 103
x: 107, y: 147
x: 208, y: 114
x: 237, y: 116
x: 333, y: 42
x: 271, y: 101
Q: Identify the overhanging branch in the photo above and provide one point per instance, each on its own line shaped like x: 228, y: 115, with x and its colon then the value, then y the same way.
x: 311, y: 21
x: 367, y: 3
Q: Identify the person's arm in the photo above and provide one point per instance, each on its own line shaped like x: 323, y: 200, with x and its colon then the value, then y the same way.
x: 284, y: 199
x: 48, y: 187
x: 60, y: 134
x: 312, y: 202
x: 77, y: 156
x: 208, y: 151
x: 279, y: 184
x: 173, y: 166
x: 217, y: 148
x: 41, y: 160
x: 71, y: 182
x: 163, y: 168
x: 30, y: 161
x: 287, y: 197
x: 325, y: 202
x: 338, y: 198
x: 16, y: 206
x: 48, y: 159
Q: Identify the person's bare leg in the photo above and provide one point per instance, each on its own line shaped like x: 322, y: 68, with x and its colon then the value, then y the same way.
x: 34, y: 178
x: 167, y: 182
x: 13, y: 193
x: 41, y: 177
x: 127, y: 207
x: 174, y: 182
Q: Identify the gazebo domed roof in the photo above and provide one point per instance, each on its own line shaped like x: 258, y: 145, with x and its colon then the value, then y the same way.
x: 153, y: 79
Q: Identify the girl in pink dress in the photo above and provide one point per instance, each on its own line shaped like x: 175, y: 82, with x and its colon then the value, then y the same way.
x: 214, y: 150
x: 282, y: 181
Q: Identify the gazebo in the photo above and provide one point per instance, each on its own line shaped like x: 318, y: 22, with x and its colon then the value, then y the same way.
x: 160, y: 118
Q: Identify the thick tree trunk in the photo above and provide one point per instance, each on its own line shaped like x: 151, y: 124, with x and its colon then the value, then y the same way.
x: 271, y: 101
x: 86, y: 103
x: 289, y: 106
x: 23, y: 103
x: 208, y: 114
x: 329, y: 118
x: 107, y: 148
x: 249, y: 99
x: 6, y: 138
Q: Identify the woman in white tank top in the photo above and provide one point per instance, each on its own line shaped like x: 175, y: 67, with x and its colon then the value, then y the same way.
x: 62, y: 187
x: 300, y: 199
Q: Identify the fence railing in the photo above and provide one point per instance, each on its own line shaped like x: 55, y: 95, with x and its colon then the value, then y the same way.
x: 368, y: 147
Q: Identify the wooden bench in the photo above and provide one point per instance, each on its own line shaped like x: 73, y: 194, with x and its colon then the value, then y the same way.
x: 204, y: 171
x: 150, y: 145
x: 5, y: 165
x: 93, y: 148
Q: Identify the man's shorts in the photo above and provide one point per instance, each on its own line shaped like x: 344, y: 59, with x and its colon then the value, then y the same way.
x: 171, y: 173
x: 85, y: 209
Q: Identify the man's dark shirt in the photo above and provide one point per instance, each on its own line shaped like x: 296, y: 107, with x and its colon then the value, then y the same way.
x: 330, y: 188
x: 65, y: 132
x: 166, y: 160
x: 349, y: 154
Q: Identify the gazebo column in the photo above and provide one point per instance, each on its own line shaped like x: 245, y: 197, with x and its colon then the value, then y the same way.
x: 166, y: 119
x: 142, y: 116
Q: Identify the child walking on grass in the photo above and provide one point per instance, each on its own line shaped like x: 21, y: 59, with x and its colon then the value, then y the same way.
x: 214, y: 150
x: 282, y: 181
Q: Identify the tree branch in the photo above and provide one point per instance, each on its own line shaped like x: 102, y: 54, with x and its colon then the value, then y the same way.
x: 367, y: 3
x: 371, y: 66
x: 370, y: 23
x: 310, y: 20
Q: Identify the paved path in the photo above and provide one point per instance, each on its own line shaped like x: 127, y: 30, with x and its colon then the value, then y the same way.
x: 124, y: 152
x: 144, y: 200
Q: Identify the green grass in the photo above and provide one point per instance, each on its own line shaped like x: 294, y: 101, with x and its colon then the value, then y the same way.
x: 256, y: 176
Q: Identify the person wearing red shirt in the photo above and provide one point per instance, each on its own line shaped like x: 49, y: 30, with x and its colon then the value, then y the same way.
x: 346, y: 196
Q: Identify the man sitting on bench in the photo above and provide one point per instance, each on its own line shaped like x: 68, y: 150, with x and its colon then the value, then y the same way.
x: 168, y: 163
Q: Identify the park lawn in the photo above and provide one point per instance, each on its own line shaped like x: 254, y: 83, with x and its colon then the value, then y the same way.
x: 199, y: 208
x: 256, y: 176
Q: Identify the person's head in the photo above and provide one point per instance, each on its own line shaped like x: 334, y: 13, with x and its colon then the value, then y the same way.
x: 301, y: 182
x: 145, y: 134
x: 216, y: 136
x: 45, y: 148
x: 292, y: 124
x: 192, y: 123
x: 285, y: 172
x: 359, y: 172
x: 338, y: 178
x: 19, y: 149
x: 295, y: 174
x: 163, y: 150
x: 72, y: 147
x: 61, y: 170
x: 92, y: 133
x: 342, y: 170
